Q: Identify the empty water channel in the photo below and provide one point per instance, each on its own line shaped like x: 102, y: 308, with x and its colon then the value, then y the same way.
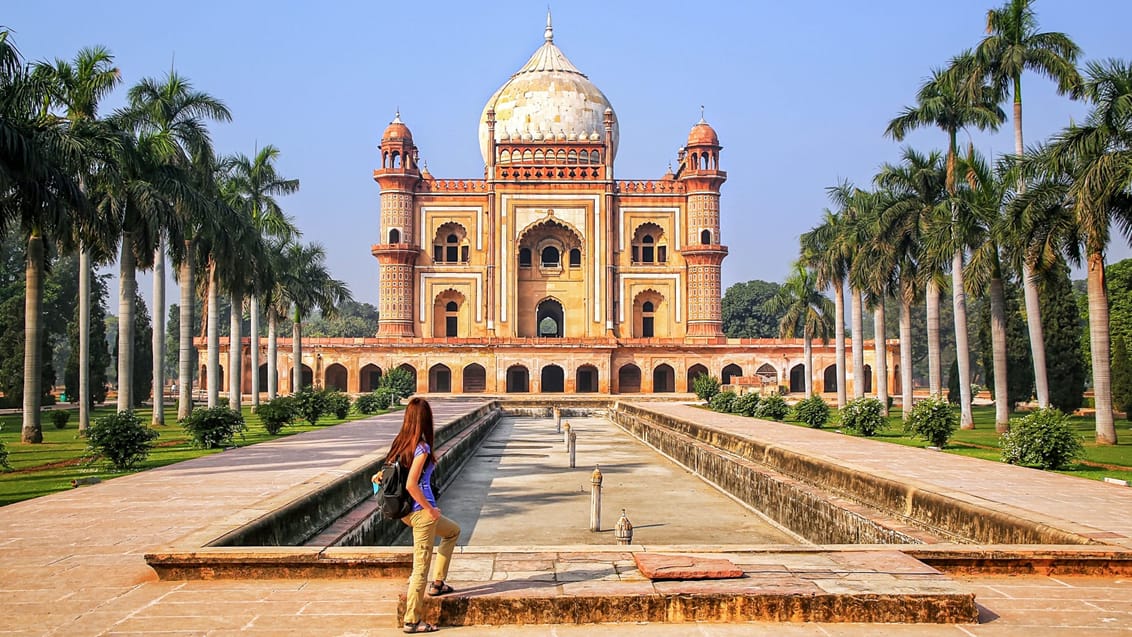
x: 504, y: 475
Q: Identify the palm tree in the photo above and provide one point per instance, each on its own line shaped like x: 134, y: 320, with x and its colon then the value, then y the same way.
x: 943, y: 102
x: 823, y: 251
x: 1013, y: 45
x: 913, y: 197
x: 78, y: 87
x: 172, y: 115
x: 804, y: 309
x: 41, y: 156
x: 306, y: 284
x: 257, y: 183
x: 986, y: 227
x: 1097, y: 158
x: 856, y: 206
x: 873, y: 271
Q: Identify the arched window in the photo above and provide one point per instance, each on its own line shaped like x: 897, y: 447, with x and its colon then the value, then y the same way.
x: 451, y: 318
x: 575, y: 258
x: 705, y: 237
x: 394, y: 236
x: 524, y: 257
x: 572, y: 157
x: 449, y: 247
x: 647, y: 318
x: 647, y: 252
x: 550, y: 257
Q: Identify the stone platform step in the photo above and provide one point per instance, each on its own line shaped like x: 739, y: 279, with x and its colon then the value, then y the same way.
x: 599, y: 587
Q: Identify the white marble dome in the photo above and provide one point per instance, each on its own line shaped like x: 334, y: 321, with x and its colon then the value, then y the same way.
x: 547, y: 98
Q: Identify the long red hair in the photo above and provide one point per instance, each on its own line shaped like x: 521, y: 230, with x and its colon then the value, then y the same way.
x: 416, y: 427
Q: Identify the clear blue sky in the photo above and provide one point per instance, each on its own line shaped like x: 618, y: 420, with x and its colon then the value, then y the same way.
x: 800, y: 93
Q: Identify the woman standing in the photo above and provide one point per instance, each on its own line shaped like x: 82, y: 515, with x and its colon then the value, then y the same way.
x: 413, y: 448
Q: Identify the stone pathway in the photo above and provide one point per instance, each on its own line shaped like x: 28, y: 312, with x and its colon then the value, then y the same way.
x: 1058, y: 500
x: 71, y: 563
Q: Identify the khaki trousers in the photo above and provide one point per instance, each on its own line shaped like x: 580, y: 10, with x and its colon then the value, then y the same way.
x: 425, y: 531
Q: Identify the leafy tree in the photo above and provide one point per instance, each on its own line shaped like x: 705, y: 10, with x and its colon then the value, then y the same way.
x: 398, y: 382
x: 352, y: 319
x: 1064, y: 328
x: 1121, y: 377
x: 143, y: 351
x: 1118, y: 278
x: 953, y: 383
x: 745, y: 314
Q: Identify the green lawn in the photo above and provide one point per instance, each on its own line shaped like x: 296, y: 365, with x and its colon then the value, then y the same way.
x: 52, y: 465
x: 982, y: 442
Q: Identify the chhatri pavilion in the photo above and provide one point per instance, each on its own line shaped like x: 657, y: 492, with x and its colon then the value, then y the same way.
x: 548, y: 273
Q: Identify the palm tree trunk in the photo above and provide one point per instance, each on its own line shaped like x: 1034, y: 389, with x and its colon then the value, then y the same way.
x: 1037, y: 337
x: 1099, y: 347
x: 253, y: 309
x: 935, y: 367
x: 185, y: 371
x: 127, y: 292
x: 998, y: 350
x: 962, y: 350
x: 881, y: 359
x: 32, y: 431
x: 1029, y: 285
x: 906, y: 358
x: 858, y: 322
x: 808, y: 358
x: 159, y: 334
x: 272, y: 354
x: 84, y: 340
x: 297, y: 354
x: 213, y: 364
x: 839, y: 341
x: 234, y: 353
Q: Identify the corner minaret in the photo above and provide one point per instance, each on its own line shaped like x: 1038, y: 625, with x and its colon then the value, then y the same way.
x: 703, y: 250
x: 397, y: 251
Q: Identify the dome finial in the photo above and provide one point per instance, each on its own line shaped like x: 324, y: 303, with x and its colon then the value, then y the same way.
x: 397, y: 116
x: 549, y: 33
x: 702, y: 120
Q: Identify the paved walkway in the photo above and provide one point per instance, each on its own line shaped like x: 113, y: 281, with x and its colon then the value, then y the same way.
x: 1104, y: 510
x: 71, y: 563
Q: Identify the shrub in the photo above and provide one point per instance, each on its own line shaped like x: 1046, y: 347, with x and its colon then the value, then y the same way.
x: 367, y: 403
x: 213, y: 428
x: 722, y: 401
x: 813, y: 411
x: 1043, y: 438
x: 276, y: 414
x: 59, y: 418
x: 932, y: 419
x: 121, y: 439
x: 746, y: 404
x: 338, y: 403
x: 311, y: 404
x: 4, y: 457
x: 773, y: 407
x: 705, y: 386
x: 864, y: 416
x: 399, y: 382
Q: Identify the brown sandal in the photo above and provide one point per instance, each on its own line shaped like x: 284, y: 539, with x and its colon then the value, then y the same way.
x: 420, y: 627
x: 436, y: 590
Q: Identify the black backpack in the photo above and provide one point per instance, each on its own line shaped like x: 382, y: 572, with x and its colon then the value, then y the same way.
x: 393, y: 499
